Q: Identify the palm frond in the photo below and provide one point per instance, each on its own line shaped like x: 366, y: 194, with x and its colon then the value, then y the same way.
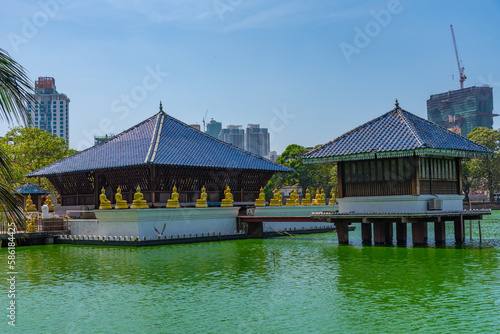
x: 15, y: 90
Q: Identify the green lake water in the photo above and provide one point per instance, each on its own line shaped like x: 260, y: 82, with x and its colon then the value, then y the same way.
x: 305, y: 284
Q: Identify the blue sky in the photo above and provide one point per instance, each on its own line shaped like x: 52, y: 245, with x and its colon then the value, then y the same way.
x: 300, y: 68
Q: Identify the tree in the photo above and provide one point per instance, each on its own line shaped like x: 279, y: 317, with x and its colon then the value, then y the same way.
x: 30, y: 149
x: 15, y: 93
x: 485, y: 172
x: 312, y: 176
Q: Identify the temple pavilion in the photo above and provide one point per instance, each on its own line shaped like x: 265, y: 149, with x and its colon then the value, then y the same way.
x: 398, y: 162
x: 158, y: 154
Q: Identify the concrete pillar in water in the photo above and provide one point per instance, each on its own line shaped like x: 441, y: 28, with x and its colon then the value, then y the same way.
x: 401, y: 233
x: 459, y: 230
x: 440, y: 232
x: 366, y: 233
x: 419, y: 233
x: 389, y: 228
x: 342, y: 232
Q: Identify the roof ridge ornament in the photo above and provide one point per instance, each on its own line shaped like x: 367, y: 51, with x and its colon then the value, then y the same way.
x: 397, y: 104
x: 161, y: 107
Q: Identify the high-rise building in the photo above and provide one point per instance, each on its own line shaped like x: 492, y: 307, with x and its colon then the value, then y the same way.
x: 257, y: 140
x: 234, y: 135
x: 214, y: 128
x: 50, y: 112
x: 462, y: 110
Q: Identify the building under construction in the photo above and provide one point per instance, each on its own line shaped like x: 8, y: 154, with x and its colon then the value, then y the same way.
x: 462, y: 110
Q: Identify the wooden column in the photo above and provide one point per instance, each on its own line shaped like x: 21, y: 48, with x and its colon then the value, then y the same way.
x: 340, y: 177
x: 459, y: 230
x: 440, y: 232
x: 419, y: 233
x: 342, y: 232
x: 366, y: 233
x: 401, y: 233
x: 389, y: 227
x: 415, y: 176
x: 379, y: 233
x: 459, y: 175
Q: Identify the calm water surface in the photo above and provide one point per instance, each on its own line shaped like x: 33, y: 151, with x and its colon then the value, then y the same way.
x: 306, y: 284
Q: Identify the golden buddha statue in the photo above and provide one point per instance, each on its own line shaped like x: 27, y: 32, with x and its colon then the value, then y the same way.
x: 306, y: 201
x: 317, y: 197
x: 291, y: 200
x: 48, y: 201
x: 173, y: 202
x: 332, y: 200
x: 202, y: 201
x: 261, y: 201
x: 105, y: 203
x: 30, y: 224
x: 120, y: 203
x: 139, y: 202
x: 29, y: 204
x: 277, y: 198
x: 321, y: 200
x: 228, y: 198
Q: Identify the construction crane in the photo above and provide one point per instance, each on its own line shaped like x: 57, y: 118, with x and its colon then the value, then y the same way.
x: 460, y: 68
x: 204, y: 119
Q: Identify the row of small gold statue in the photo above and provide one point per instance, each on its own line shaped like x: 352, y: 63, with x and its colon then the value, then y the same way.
x: 173, y: 202
x: 32, y: 207
x: 293, y: 200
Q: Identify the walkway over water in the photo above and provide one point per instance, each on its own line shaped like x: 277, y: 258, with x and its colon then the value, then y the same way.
x: 382, y: 230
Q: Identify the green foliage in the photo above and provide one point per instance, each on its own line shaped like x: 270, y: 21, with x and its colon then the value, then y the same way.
x: 312, y: 176
x: 29, y: 149
x: 484, y: 173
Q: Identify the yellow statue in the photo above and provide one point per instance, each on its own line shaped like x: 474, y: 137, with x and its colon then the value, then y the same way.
x: 105, y: 203
x: 202, y: 201
x: 30, y: 226
x: 120, y: 203
x: 173, y: 202
x: 261, y: 201
x: 291, y: 201
x: 332, y: 200
x: 139, y: 202
x: 277, y: 198
x: 318, y: 197
x: 228, y: 198
x: 29, y: 204
x: 320, y: 200
x: 306, y: 201
x: 48, y: 201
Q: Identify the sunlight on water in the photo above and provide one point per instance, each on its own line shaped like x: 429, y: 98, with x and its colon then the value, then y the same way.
x: 283, y: 285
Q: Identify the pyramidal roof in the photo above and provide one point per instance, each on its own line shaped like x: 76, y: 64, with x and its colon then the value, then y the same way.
x: 397, y: 133
x: 160, y: 140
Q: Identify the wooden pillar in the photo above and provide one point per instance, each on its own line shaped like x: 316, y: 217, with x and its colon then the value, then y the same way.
x: 440, y: 232
x: 366, y: 233
x: 342, y: 232
x: 419, y: 233
x: 340, y: 178
x: 401, y: 233
x: 459, y: 230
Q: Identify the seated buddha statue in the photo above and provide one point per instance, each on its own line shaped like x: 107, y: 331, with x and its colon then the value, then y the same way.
x: 202, y: 201
x: 48, y: 201
x: 332, y: 200
x: 277, y: 198
x: 139, y: 202
x: 228, y: 198
x: 105, y: 203
x: 317, y: 197
x: 120, y: 202
x: 322, y: 198
x: 261, y: 201
x: 173, y: 202
x: 29, y: 204
x: 291, y: 200
x: 306, y: 201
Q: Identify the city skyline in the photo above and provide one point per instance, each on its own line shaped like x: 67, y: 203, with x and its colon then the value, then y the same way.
x: 306, y: 71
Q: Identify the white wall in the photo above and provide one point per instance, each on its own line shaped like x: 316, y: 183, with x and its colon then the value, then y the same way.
x: 403, y: 203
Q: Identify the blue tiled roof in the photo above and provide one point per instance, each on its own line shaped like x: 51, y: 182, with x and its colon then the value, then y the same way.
x: 30, y: 188
x: 161, y: 140
x: 396, y: 133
